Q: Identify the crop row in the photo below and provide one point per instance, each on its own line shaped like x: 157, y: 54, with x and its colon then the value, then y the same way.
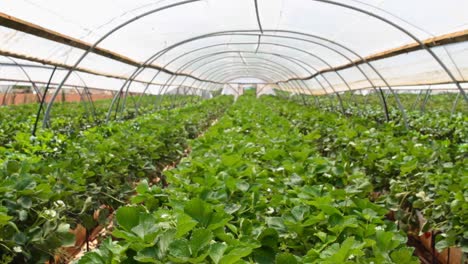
x: 52, y: 182
x: 422, y: 170
x: 71, y: 118
x: 255, y: 189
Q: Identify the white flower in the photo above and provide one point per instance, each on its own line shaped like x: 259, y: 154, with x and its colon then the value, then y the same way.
x: 59, y: 203
x: 50, y: 213
x: 17, y: 249
x: 164, y: 215
x: 421, y: 195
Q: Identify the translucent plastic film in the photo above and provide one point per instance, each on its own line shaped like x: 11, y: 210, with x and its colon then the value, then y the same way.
x: 313, y: 46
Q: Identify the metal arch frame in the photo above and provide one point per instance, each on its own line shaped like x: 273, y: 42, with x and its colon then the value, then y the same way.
x: 279, y: 55
x: 223, y: 44
x: 296, y: 89
x: 383, y: 103
x: 303, y: 51
x: 313, y: 55
x: 310, y: 54
x: 272, y: 69
x: 167, y: 64
x: 257, y: 69
x: 39, y: 95
x: 285, y: 57
x: 260, y: 58
x: 228, y: 75
x: 167, y: 81
x: 156, y: 76
x: 382, y: 98
x: 162, y: 52
x: 38, y: 92
x: 406, y: 32
x: 387, y: 21
x: 245, y: 76
x: 85, y: 54
x: 275, y: 44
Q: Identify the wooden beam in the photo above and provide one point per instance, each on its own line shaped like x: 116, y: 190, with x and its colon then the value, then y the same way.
x: 36, y: 30
x: 57, y: 64
x: 30, y: 28
x: 452, y: 38
x: 70, y: 86
x: 66, y: 66
x: 52, y: 83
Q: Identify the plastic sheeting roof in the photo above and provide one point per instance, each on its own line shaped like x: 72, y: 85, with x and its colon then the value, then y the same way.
x: 303, y: 46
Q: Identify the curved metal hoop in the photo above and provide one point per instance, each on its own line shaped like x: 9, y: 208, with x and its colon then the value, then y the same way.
x: 387, y: 21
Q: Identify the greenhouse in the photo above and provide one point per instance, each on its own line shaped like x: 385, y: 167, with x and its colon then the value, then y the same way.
x: 234, y: 131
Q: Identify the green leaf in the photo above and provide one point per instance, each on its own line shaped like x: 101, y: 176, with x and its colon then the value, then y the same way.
x: 269, y: 238
x: 4, y: 218
x: 25, y: 202
x: 264, y: 255
x: 128, y: 217
x: 205, y: 214
x: 164, y: 242
x: 200, y: 211
x: 12, y: 166
x: 441, y: 245
x: 143, y: 187
x: 299, y: 212
x: 404, y: 256
x: 180, y: 249
x: 200, y: 239
x: 286, y: 258
x: 235, y: 255
x: 276, y: 223
x: 92, y: 258
x: 231, y: 160
x: 23, y: 215
x: 386, y: 241
x: 88, y: 221
x: 217, y: 251
x: 343, y: 252
x: 147, y: 255
x: 146, y: 229
x: 242, y: 186
x: 185, y: 224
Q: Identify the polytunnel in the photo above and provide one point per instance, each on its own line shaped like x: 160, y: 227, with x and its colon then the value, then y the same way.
x: 400, y: 64
x: 307, y: 47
